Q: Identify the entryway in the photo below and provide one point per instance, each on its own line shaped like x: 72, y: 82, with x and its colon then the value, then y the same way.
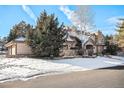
x: 89, y: 49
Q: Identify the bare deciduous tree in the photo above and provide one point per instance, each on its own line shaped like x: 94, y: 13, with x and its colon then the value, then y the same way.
x: 85, y: 16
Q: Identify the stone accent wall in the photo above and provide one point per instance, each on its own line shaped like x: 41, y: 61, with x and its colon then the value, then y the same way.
x: 70, y: 52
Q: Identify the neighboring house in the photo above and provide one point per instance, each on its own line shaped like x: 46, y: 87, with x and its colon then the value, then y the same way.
x: 2, y: 47
x: 18, y: 47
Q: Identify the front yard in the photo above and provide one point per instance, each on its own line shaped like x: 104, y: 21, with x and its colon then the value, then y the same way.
x: 27, y: 68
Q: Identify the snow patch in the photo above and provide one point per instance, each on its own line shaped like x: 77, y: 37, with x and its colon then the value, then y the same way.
x: 116, y: 63
x: 28, y: 68
x: 24, y: 68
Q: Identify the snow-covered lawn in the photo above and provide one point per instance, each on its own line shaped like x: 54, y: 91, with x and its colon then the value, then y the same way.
x: 93, y: 63
x: 25, y: 68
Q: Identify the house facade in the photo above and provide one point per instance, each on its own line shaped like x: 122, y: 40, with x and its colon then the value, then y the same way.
x: 93, y: 43
x: 69, y: 47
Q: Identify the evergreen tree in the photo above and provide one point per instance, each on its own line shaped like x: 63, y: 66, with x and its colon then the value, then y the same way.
x: 111, y: 47
x: 12, y: 34
x: 120, y: 35
x: 48, y: 36
x: 29, y: 34
x: 18, y: 30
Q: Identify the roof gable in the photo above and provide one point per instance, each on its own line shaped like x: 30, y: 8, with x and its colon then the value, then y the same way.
x: 17, y: 40
x: 90, y: 40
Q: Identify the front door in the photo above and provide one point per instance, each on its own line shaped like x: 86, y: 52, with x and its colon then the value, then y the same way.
x: 89, y: 49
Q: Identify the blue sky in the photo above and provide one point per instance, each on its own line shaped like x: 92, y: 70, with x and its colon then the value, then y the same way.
x: 105, y: 17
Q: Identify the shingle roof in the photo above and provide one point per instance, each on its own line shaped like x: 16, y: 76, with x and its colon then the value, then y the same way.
x: 20, y: 39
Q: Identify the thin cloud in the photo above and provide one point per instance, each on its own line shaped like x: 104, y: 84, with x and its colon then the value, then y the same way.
x: 29, y: 12
x: 71, y: 15
x: 114, y: 20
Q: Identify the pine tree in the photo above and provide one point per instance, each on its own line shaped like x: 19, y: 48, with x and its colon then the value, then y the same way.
x: 111, y: 47
x: 120, y: 35
x: 11, y: 36
x: 29, y: 34
x: 19, y: 30
x: 55, y: 36
x: 48, y: 36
